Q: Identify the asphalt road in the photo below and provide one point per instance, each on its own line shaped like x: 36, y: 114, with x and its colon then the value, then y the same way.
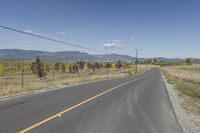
x: 138, y: 104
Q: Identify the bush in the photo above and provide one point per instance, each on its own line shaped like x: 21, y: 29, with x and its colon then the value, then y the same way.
x: 188, y: 61
x: 63, y: 68
x: 108, y: 65
x: 37, y: 67
x: 118, y: 65
x: 57, y: 66
x: 73, y: 68
x: 130, y: 73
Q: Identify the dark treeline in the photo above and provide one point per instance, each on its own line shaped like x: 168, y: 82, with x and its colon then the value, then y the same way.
x: 41, y: 68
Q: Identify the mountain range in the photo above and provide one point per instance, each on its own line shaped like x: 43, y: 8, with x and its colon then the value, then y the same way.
x: 68, y: 56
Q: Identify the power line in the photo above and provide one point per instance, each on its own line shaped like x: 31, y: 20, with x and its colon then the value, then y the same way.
x: 42, y: 27
x: 58, y: 16
x: 76, y: 20
x: 51, y: 39
x: 64, y: 15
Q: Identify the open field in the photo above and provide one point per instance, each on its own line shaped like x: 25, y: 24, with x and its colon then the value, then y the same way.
x: 194, y: 68
x: 188, y: 83
x: 11, y: 81
x: 187, y: 73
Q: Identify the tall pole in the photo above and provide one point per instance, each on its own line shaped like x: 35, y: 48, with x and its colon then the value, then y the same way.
x: 195, y: 66
x: 136, y: 61
x: 22, y: 74
x: 147, y: 64
x: 53, y: 70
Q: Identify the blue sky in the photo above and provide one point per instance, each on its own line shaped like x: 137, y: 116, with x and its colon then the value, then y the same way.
x: 167, y: 28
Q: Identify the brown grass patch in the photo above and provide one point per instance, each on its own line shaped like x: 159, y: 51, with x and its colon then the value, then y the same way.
x: 188, y: 85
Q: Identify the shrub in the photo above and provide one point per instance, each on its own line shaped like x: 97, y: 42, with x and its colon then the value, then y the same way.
x: 63, y: 68
x: 37, y: 67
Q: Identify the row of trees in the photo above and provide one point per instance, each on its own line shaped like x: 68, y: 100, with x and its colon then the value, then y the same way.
x: 41, y: 68
x: 13, y: 66
x: 190, y: 61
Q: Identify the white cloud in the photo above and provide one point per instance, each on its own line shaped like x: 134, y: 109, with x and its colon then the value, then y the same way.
x: 114, y: 44
x: 61, y: 33
x: 28, y: 31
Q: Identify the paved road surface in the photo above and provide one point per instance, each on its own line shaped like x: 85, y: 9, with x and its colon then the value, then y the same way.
x: 137, y: 104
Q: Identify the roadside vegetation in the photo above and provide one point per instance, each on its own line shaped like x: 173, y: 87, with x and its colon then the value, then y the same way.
x: 186, y: 78
x: 19, y: 77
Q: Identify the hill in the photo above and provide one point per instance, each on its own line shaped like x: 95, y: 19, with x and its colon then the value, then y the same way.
x: 69, y: 56
x: 19, y: 54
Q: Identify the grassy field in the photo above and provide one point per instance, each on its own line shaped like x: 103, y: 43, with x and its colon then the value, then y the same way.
x: 10, y: 82
x: 187, y: 81
x: 194, y: 68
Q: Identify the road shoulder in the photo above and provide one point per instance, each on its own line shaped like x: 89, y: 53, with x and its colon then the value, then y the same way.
x: 186, y: 120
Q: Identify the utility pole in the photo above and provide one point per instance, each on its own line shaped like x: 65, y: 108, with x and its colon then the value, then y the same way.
x: 195, y: 66
x: 136, y: 61
x: 147, y: 64
x: 6, y: 73
x: 53, y: 70
x: 22, y: 74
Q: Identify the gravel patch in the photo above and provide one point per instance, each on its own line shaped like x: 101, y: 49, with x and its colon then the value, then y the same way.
x: 187, y: 120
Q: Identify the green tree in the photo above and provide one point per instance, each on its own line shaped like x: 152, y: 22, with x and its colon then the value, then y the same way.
x: 37, y: 67
x: 119, y: 64
x: 46, y: 67
x: 73, y: 68
x: 57, y: 66
x: 97, y: 66
x: 63, y: 67
x: 91, y: 66
x: 108, y: 65
x: 81, y: 65
x: 188, y: 61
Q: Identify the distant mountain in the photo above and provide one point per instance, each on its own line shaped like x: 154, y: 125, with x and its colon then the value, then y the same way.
x: 67, y: 56
x: 19, y: 54
x: 167, y: 59
x: 114, y: 57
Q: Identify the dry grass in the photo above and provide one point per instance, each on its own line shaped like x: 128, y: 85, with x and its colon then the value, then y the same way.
x: 11, y: 85
x: 188, y: 83
x: 183, y: 74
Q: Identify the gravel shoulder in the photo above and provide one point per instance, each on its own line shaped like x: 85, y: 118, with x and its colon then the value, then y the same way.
x: 189, y: 122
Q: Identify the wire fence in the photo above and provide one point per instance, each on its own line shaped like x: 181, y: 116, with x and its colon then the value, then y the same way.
x: 19, y: 77
x: 194, y: 68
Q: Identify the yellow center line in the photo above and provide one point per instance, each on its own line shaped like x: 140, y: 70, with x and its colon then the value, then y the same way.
x: 73, y: 107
